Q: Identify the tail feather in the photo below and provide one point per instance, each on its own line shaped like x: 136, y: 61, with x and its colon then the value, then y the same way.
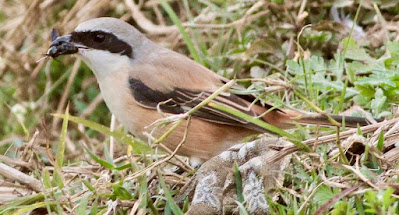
x: 350, y: 121
x: 288, y: 118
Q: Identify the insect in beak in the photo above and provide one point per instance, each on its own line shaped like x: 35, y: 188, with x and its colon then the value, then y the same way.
x: 59, y: 46
x: 54, y: 34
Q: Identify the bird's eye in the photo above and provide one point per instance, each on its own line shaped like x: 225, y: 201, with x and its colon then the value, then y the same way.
x: 99, y: 38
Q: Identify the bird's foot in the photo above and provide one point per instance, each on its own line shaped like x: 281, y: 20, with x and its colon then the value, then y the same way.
x: 213, y: 189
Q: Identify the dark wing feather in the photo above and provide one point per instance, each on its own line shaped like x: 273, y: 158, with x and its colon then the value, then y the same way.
x: 180, y: 101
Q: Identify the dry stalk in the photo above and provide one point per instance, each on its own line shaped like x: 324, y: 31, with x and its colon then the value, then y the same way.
x: 64, y: 97
x: 157, y: 163
x: 21, y: 177
x: 328, y: 138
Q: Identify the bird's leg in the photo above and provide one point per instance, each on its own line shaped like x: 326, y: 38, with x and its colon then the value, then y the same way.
x: 212, y: 189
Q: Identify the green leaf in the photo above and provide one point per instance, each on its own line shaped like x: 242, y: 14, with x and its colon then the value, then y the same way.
x: 81, y: 210
x: 121, y: 192
x: 293, y: 67
x: 343, y: 208
x: 378, y: 102
x: 354, y: 52
x: 317, y: 64
x: 393, y: 48
x: 358, y: 67
x: 94, y: 208
x: 337, y: 65
x: 88, y: 185
x: 387, y: 198
x: 376, y: 80
x: 323, y: 194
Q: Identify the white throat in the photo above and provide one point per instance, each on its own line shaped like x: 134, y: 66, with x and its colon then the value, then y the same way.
x: 103, y: 63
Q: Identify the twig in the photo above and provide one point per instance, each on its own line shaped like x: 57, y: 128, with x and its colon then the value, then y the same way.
x: 184, y: 165
x: 308, y: 198
x: 21, y: 177
x: 145, y: 23
x: 329, y: 138
x: 15, y: 162
x: 155, y: 164
x: 152, y: 28
x: 361, y: 176
x: 340, y: 149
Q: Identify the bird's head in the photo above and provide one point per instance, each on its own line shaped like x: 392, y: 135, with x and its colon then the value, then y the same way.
x: 101, y: 42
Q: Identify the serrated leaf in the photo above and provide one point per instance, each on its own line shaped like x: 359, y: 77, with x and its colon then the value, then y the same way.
x: 336, y: 66
x: 293, y: 67
x: 375, y: 80
x: 317, y: 64
x: 354, y: 52
x: 339, y: 86
x: 359, y: 68
x: 323, y: 194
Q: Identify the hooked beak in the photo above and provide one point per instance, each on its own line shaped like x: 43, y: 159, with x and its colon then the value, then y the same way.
x: 63, y: 46
x: 61, y: 40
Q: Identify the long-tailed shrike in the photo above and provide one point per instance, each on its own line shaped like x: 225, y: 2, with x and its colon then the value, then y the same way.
x: 137, y: 76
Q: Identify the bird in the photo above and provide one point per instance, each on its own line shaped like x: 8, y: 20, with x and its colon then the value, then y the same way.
x: 142, y: 82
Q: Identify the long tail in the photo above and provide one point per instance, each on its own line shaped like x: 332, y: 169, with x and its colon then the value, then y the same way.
x: 350, y: 121
x: 288, y: 118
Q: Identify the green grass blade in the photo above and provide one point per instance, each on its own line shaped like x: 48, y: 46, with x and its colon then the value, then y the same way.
x: 26, y: 200
x: 238, y: 179
x: 138, y: 147
x: 99, y: 160
x: 81, y: 210
x: 380, y: 143
x: 28, y: 208
x: 59, y: 160
x: 169, y: 200
x: 176, y: 20
x: 61, y: 147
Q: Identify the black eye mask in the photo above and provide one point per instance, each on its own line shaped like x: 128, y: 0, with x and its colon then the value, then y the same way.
x: 103, y: 41
x: 100, y: 40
